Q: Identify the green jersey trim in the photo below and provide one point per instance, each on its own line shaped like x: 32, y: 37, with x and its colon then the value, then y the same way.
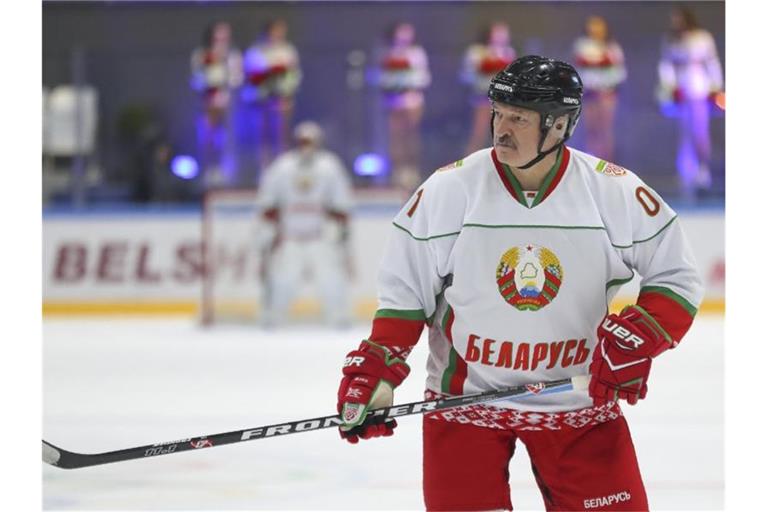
x: 516, y: 190
x: 403, y: 314
x: 531, y: 226
x: 619, y: 281
x: 635, y: 242
x: 425, y: 239
x: 550, y: 181
x: 690, y: 308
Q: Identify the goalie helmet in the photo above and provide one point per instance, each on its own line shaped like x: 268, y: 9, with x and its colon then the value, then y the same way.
x: 308, y: 132
x: 550, y: 87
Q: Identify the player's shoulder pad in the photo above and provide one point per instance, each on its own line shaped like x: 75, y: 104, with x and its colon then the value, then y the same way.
x: 438, y: 206
x: 630, y: 209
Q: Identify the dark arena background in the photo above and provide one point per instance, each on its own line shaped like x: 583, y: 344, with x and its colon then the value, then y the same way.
x: 137, y: 55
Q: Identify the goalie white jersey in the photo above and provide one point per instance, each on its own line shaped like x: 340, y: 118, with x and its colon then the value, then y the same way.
x: 302, y: 190
x: 513, y: 285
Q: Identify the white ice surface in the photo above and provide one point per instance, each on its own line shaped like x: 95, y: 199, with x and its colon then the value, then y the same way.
x: 112, y: 384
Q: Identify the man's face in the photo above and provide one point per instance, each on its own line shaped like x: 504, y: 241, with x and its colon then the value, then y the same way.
x: 515, y: 134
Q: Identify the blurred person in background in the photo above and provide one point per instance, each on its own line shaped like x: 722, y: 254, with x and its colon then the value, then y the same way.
x: 403, y: 75
x: 690, y: 81
x: 216, y: 71
x: 482, y: 60
x: 272, y: 77
x: 600, y: 62
x: 305, y: 196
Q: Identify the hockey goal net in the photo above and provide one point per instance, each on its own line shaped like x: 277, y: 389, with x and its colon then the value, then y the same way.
x: 232, y: 282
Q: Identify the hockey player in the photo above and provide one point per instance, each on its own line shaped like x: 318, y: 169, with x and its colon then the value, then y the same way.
x: 305, y: 198
x: 510, y: 257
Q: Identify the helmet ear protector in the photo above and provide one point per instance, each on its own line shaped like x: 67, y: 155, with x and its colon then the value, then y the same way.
x: 550, y: 87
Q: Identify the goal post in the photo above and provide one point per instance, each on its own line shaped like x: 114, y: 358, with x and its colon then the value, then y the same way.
x: 232, y: 286
x: 235, y: 237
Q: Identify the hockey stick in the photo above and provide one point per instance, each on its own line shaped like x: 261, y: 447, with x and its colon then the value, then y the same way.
x: 69, y: 460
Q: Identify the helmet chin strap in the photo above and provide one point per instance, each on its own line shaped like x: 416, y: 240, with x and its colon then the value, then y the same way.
x: 543, y: 154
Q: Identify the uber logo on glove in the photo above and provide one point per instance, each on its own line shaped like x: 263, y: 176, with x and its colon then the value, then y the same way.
x: 630, y: 341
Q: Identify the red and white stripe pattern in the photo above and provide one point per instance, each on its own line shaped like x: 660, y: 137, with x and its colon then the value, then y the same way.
x: 502, y: 418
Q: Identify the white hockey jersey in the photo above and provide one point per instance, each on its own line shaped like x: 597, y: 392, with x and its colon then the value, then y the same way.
x: 513, y: 285
x: 300, y: 193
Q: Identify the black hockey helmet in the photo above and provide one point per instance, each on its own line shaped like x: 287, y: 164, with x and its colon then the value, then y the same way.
x: 550, y: 87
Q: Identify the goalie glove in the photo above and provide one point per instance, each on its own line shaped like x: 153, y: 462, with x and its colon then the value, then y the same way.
x: 370, y: 375
x: 621, y: 361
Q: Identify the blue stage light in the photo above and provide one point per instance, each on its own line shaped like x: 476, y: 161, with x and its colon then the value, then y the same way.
x: 370, y: 164
x: 184, y: 166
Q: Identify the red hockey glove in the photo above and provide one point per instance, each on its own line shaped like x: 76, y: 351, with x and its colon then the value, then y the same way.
x: 621, y: 360
x: 370, y: 375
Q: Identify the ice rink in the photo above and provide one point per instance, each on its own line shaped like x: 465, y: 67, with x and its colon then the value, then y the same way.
x: 112, y: 384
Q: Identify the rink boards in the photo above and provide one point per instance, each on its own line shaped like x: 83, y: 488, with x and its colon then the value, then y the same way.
x: 150, y: 261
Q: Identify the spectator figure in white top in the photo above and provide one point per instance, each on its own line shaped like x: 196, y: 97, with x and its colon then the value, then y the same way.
x: 402, y: 76
x: 305, y: 198
x: 691, y: 81
x: 272, y: 78
x: 216, y: 72
x: 482, y: 60
x: 600, y: 62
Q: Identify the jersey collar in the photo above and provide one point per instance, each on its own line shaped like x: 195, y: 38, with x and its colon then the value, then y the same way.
x: 551, y: 180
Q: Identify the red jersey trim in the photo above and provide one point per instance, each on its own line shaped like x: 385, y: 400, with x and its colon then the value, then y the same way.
x: 398, y: 332
x: 673, y: 315
x: 555, y: 178
x: 551, y: 180
x: 515, y: 192
x: 456, y: 372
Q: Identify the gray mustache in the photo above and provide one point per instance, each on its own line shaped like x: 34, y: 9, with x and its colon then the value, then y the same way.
x: 506, y: 141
